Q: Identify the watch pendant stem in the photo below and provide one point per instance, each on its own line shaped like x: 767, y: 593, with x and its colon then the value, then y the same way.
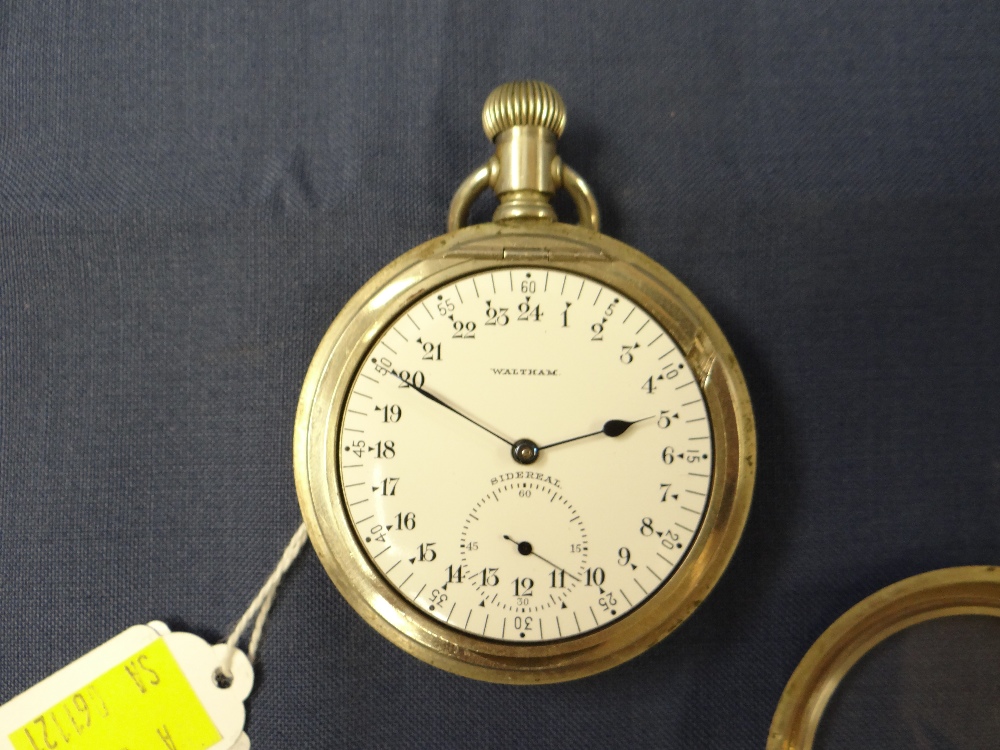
x: 524, y: 119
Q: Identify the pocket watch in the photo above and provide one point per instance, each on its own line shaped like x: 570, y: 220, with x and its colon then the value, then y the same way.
x: 524, y: 451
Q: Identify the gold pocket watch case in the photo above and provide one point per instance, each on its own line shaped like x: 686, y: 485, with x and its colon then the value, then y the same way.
x: 524, y: 451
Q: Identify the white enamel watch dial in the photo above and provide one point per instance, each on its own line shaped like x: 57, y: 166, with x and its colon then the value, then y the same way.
x: 524, y: 451
x: 526, y: 454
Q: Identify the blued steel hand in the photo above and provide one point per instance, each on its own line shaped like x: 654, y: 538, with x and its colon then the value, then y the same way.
x: 526, y: 549
x: 612, y: 428
x: 448, y: 406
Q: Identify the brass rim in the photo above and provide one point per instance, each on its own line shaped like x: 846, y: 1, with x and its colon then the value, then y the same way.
x: 438, y: 263
x: 973, y: 590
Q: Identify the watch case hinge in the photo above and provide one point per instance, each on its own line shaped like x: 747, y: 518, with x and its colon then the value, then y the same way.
x: 552, y: 254
x: 527, y: 254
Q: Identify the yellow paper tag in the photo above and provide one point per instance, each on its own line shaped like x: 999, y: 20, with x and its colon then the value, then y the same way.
x: 144, y: 703
x: 145, y: 689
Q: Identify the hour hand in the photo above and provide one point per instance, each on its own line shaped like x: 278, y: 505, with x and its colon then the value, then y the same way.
x: 612, y: 428
x: 449, y: 407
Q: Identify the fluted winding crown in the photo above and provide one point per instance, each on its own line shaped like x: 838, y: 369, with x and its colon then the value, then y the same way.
x: 523, y: 103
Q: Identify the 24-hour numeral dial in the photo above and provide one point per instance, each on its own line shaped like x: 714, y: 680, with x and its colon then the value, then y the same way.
x: 525, y: 454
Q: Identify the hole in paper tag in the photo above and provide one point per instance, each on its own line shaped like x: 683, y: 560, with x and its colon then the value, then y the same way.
x: 145, y: 689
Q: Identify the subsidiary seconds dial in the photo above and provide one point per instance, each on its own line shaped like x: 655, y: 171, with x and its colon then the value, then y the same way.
x: 525, y: 454
x: 533, y: 566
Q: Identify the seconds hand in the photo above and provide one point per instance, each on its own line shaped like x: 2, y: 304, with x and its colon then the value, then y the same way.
x: 525, y: 548
x: 447, y: 406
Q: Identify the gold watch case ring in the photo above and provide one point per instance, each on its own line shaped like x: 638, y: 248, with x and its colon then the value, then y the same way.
x: 970, y: 590
x: 438, y: 263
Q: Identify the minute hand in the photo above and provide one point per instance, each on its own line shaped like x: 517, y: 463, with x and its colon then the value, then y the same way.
x: 448, y: 406
x: 612, y: 428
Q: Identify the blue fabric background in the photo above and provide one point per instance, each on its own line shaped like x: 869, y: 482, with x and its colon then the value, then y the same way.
x: 189, y: 192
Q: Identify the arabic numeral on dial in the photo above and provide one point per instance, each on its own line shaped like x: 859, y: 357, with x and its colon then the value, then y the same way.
x: 557, y: 579
x: 648, y: 386
x: 431, y: 351
x: 389, y: 486
x: 522, y: 623
x: 673, y: 372
x: 385, y: 449
x: 378, y: 533
x: 663, y: 422
x: 528, y: 286
x: 624, y: 556
x: 438, y: 597
x: 455, y: 574
x: 445, y: 305
x: 416, y: 379
x: 406, y: 521
x: 598, y: 330
x: 665, y: 489
x: 607, y: 601
x: 527, y: 312
x: 523, y: 586
x: 594, y: 576
x: 382, y: 366
x: 357, y: 447
x: 466, y: 330
x: 647, y: 527
x: 565, y: 316
x: 390, y: 412
x: 496, y: 316
x: 426, y: 552
x: 626, y: 356
x: 670, y: 539
x: 668, y: 455
x: 489, y: 577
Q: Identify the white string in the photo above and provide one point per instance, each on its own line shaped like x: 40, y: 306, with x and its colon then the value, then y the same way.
x: 260, y: 607
x: 258, y: 627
